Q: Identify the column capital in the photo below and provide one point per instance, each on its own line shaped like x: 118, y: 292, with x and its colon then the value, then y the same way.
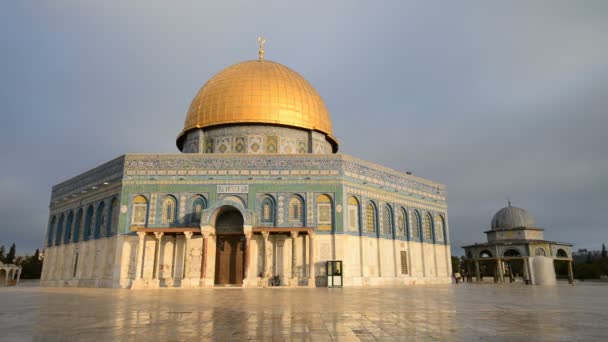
x: 207, y: 229
x: 248, y: 235
x: 158, y: 235
x: 311, y: 233
x: 265, y: 235
x: 141, y: 235
x: 247, y: 229
x: 294, y: 234
x: 188, y: 235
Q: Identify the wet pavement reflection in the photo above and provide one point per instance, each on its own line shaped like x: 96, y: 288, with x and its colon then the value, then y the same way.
x: 459, y: 312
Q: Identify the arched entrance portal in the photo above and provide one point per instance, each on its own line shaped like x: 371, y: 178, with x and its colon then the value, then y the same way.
x: 230, y: 248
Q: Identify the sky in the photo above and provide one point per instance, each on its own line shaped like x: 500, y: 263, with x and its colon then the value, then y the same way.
x: 495, y: 99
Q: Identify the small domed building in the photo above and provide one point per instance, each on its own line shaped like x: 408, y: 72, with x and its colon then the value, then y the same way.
x: 257, y: 196
x: 515, y: 243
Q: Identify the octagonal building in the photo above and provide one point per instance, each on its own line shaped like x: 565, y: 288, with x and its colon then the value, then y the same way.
x: 258, y: 196
x: 516, y: 246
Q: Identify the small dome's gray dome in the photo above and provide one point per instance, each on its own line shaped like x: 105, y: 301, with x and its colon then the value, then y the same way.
x: 512, y: 217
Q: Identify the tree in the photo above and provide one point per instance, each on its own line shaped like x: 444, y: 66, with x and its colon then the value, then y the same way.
x: 2, y: 251
x: 10, y: 257
x: 455, y: 264
x: 604, y: 253
x: 31, y: 266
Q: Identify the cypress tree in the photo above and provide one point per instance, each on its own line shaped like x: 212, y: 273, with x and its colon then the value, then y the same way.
x: 10, y: 257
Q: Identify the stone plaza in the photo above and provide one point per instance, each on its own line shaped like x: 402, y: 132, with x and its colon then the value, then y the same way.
x: 465, y: 312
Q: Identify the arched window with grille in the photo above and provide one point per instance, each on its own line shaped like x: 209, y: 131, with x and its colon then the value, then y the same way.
x: 428, y: 227
x: 59, y: 230
x: 139, y: 211
x: 112, y: 217
x: 371, y: 218
x: 77, y: 226
x: 49, y: 239
x: 68, y: 228
x: 401, y: 223
x: 296, y: 210
x: 267, y: 211
x: 100, y: 219
x: 353, y: 214
x: 439, y: 228
x: 416, y: 227
x: 169, y: 208
x: 387, y: 220
x: 198, y: 205
x: 88, y: 221
x: 325, y: 215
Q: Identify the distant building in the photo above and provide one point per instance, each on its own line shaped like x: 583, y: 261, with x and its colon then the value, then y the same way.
x: 258, y: 195
x: 9, y: 274
x: 514, y: 242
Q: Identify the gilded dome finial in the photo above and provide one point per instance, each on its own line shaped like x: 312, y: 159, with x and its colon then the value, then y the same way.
x: 261, y: 42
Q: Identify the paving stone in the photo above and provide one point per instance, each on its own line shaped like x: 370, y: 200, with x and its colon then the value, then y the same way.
x: 469, y: 312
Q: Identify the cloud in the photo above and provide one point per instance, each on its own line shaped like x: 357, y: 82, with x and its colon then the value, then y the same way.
x: 493, y: 99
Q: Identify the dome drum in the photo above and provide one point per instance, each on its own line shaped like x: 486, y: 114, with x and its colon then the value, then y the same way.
x: 250, y: 138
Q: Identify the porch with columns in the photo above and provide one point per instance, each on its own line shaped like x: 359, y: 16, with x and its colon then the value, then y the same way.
x: 528, y: 276
x: 183, y: 270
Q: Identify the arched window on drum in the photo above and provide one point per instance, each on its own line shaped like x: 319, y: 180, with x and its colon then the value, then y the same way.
x: 78, y: 226
x: 387, y: 220
x: 371, y: 218
x: 59, y: 231
x: 296, y: 210
x: 49, y: 240
x: 198, y: 205
x: 139, y: 213
x: 112, y: 218
x: 428, y: 227
x: 353, y: 214
x: 100, y: 219
x: 267, y: 211
x: 68, y: 228
x: 440, y: 228
x: 325, y: 215
x: 88, y: 222
x: 416, y: 227
x: 169, y: 210
x: 401, y: 223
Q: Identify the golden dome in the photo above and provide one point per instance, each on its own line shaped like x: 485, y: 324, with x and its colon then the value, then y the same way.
x: 258, y: 92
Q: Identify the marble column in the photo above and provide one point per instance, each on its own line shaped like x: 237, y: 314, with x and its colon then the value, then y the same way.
x: 141, y: 240
x: 267, y: 255
x: 247, y: 256
x: 477, y: 272
x: 174, y: 261
x: 526, y: 271
x: 159, y: 236
x: 311, y: 265
x: 204, y: 253
x: 531, y: 271
x: 188, y: 236
x: 570, y: 273
x: 501, y: 275
x: 294, y: 255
